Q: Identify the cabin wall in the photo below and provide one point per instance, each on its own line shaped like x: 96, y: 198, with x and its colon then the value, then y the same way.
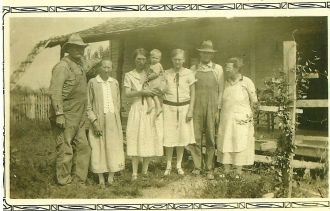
x: 259, y: 43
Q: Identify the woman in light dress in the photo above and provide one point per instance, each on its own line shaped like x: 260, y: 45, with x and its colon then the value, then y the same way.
x: 105, y: 133
x: 144, y: 131
x: 178, y: 110
x: 235, y: 141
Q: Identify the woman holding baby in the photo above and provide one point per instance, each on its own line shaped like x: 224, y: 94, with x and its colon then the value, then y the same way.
x: 144, y: 133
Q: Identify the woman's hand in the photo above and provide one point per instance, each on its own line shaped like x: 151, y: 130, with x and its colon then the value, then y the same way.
x: 97, y: 129
x: 217, y: 116
x: 150, y: 92
x: 189, y: 116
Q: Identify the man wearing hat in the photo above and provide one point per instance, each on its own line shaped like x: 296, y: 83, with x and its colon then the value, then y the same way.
x: 209, y: 88
x: 68, y: 95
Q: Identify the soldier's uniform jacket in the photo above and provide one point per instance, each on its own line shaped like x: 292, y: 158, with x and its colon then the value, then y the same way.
x: 68, y: 92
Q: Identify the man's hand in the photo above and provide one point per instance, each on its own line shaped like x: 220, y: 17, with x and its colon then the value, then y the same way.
x: 60, y: 121
x: 97, y: 129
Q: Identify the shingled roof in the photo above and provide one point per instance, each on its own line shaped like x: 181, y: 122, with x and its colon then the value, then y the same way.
x: 118, y: 26
x: 105, y: 31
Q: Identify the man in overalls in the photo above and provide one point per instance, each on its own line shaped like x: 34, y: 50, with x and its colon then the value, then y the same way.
x: 68, y: 95
x: 208, y: 94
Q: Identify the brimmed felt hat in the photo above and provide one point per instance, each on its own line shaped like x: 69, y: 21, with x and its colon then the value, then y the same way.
x: 74, y: 39
x: 207, y: 46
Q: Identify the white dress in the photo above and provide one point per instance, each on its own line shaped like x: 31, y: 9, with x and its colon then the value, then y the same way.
x: 178, y: 132
x: 103, y: 107
x: 235, y: 141
x: 144, y: 132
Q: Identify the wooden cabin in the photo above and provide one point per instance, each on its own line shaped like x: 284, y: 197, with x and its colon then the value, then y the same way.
x: 258, y: 40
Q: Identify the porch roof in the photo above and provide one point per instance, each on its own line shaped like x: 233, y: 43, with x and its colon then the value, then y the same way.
x: 119, y: 26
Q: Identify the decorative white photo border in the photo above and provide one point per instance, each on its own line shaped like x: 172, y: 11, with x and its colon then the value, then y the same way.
x: 115, y: 8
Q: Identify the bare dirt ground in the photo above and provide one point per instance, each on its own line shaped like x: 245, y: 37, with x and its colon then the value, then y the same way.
x: 185, y: 187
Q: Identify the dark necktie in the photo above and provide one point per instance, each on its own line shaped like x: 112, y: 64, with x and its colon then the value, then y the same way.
x: 177, y: 78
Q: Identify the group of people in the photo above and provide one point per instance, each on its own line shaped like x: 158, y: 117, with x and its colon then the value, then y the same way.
x: 204, y: 109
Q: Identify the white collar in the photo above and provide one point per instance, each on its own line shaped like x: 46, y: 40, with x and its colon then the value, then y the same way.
x: 183, y: 71
x: 100, y: 80
x: 209, y: 65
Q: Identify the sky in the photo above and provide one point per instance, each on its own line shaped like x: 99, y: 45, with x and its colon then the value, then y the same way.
x: 26, y: 32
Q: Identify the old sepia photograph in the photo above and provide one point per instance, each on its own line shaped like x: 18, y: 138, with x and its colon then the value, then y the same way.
x: 177, y: 107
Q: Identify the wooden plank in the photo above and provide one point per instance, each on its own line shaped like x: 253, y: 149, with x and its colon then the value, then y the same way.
x: 310, y: 151
x: 311, y: 75
x: 268, y: 108
x: 266, y: 145
x: 295, y: 163
x: 312, y: 138
x: 312, y: 103
x: 275, y: 109
x: 303, y: 149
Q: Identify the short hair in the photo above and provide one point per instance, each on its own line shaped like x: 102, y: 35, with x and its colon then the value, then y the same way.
x: 156, y: 52
x: 99, y: 64
x: 140, y: 51
x: 238, y: 62
x: 105, y: 59
x: 176, y: 52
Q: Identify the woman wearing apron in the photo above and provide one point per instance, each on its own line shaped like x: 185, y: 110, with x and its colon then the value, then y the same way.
x: 236, y: 132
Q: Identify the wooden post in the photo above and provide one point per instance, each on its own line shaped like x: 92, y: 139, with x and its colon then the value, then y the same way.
x: 253, y: 59
x: 119, y: 71
x: 62, y: 52
x: 32, y: 109
x: 289, y: 67
x: 110, y: 52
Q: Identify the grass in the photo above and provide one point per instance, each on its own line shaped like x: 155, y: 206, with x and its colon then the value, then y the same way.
x: 32, y: 175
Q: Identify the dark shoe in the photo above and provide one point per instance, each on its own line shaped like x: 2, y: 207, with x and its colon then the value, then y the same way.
x: 78, y: 182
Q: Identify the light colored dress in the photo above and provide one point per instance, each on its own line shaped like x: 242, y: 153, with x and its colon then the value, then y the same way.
x: 178, y: 131
x: 236, y: 132
x: 103, y: 107
x: 144, y: 132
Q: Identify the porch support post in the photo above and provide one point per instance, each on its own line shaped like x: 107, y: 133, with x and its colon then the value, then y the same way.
x: 62, y: 52
x: 289, y: 67
x: 120, y: 65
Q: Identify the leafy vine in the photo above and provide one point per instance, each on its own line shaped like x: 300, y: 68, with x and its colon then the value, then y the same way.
x: 277, y: 93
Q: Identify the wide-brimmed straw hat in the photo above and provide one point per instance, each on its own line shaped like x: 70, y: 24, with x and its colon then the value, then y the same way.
x: 207, y: 46
x: 74, y: 39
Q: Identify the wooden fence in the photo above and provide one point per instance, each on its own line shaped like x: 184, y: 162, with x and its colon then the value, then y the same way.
x: 34, y: 106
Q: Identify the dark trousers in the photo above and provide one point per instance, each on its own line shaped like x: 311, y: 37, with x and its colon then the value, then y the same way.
x: 204, y: 128
x: 73, y: 153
